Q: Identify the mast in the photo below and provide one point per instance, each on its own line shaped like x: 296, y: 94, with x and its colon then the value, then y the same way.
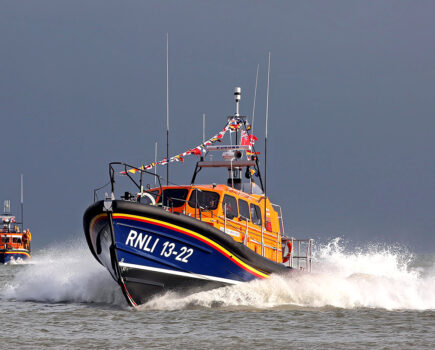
x: 234, y: 179
x: 255, y: 98
x: 155, y: 163
x: 22, y: 204
x: 7, y: 206
x: 265, y: 140
x: 203, y: 127
x: 167, y: 110
x: 237, y: 96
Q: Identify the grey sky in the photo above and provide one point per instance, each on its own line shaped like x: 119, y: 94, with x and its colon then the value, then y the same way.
x: 351, y: 135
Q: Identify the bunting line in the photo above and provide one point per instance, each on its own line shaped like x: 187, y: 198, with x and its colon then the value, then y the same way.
x: 232, y: 125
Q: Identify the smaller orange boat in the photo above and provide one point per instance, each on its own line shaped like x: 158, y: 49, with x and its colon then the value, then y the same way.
x: 14, y: 240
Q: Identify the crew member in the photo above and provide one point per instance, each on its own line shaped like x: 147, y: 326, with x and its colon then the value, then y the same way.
x: 28, y: 238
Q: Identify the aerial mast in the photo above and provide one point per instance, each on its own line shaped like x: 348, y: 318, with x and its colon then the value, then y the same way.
x: 255, y: 97
x: 155, y: 163
x: 237, y: 96
x: 22, y: 204
x: 167, y: 110
x: 265, y: 140
x: 203, y: 127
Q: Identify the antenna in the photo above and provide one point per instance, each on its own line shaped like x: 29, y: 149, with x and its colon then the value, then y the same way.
x: 237, y: 95
x: 203, y: 127
x: 167, y: 109
x: 155, y: 163
x: 255, y: 98
x: 7, y: 206
x: 265, y: 139
x: 22, y: 203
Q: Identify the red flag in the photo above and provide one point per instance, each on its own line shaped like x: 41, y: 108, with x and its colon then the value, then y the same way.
x: 248, y: 139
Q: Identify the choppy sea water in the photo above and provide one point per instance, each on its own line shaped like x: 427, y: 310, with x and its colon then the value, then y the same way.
x: 373, y: 297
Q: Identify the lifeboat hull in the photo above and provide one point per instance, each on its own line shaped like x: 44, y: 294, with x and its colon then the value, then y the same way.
x: 7, y: 256
x: 149, y: 251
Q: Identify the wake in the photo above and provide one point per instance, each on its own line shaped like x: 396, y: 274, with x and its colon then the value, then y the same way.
x: 372, y: 277
x: 66, y: 273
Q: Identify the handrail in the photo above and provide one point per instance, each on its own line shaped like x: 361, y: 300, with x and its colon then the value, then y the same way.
x: 98, y: 189
x: 280, y: 217
x: 271, y: 234
x: 306, y: 257
x: 126, y: 172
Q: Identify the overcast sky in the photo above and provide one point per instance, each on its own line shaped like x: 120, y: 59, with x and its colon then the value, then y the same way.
x: 351, y: 134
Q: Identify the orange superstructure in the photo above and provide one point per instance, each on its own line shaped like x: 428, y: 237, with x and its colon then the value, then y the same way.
x: 237, y: 213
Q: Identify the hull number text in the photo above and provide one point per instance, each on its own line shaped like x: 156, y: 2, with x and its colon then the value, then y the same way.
x: 149, y: 244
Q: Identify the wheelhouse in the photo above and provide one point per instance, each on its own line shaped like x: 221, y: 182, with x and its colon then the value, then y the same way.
x: 230, y: 210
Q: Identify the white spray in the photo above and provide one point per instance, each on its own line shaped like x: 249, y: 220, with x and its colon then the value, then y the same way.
x: 374, y: 277
x: 64, y: 274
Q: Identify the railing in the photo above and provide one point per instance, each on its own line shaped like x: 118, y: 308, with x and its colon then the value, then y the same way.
x: 301, y: 253
x: 278, y: 209
x: 139, y: 183
x: 96, y: 190
x: 280, y: 217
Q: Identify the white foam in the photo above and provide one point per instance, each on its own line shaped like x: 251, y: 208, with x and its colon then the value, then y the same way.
x: 373, y: 277
x: 18, y: 261
x: 66, y: 273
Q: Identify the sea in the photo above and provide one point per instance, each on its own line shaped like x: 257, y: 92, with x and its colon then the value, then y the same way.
x: 368, y: 297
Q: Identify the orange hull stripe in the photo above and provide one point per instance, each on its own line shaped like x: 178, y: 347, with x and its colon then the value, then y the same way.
x: 23, y: 253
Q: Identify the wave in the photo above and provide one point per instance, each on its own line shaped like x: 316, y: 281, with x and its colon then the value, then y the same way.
x: 373, y: 276
x: 369, y: 277
x: 65, y: 273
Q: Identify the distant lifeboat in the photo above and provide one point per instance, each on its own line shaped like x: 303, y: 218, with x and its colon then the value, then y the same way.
x: 14, y: 243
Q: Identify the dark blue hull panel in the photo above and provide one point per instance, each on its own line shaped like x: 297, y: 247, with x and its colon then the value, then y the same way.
x: 155, y: 251
x: 8, y: 256
x: 177, y: 251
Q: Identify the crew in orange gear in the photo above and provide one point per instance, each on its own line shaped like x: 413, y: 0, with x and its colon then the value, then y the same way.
x: 27, y: 238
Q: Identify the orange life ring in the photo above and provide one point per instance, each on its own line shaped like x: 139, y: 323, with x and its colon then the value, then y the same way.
x: 289, y: 253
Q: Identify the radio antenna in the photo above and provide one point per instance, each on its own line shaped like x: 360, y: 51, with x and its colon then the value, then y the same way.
x: 167, y: 109
x: 265, y: 140
x: 255, y: 98
x: 22, y: 204
x: 237, y: 95
x: 155, y: 163
x: 203, y: 127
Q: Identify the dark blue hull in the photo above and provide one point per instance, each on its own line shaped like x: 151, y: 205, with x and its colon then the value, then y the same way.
x: 6, y: 256
x: 149, y: 251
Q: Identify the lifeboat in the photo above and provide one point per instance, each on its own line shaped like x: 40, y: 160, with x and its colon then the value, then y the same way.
x: 185, y: 238
x: 14, y: 241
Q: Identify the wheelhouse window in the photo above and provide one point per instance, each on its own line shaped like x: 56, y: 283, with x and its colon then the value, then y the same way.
x: 244, y: 210
x: 256, y: 214
x: 5, y: 239
x: 204, y: 199
x: 229, y: 204
x: 174, y: 197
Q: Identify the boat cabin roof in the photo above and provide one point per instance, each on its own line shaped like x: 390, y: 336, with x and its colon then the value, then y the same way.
x: 221, y: 189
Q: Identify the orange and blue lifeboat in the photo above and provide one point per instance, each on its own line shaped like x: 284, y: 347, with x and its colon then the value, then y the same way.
x: 14, y: 244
